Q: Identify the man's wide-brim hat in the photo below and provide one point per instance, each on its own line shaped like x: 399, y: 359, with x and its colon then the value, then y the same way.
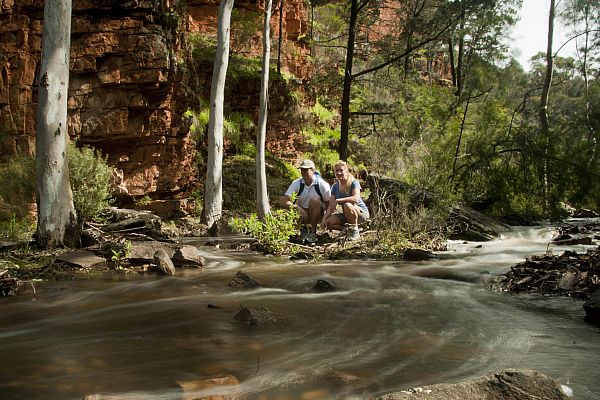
x: 307, y: 164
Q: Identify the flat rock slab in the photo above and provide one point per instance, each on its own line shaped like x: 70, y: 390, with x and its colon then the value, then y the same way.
x: 82, y: 258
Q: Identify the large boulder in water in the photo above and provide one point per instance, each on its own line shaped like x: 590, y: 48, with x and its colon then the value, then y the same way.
x: 510, y: 384
x: 468, y: 224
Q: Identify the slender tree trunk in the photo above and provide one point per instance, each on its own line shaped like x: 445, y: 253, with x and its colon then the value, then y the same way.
x: 459, y: 65
x: 544, y: 125
x: 281, y: 4
x: 585, y: 74
x: 57, y: 222
x: 213, y: 191
x: 462, y: 129
x: 345, y: 106
x: 262, y: 197
x: 452, y: 64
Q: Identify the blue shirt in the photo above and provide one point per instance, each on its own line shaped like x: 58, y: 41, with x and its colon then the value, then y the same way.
x: 336, y: 193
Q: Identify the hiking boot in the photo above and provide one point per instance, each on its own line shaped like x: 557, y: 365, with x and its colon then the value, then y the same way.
x: 311, y: 237
x: 303, y: 233
x: 353, y: 234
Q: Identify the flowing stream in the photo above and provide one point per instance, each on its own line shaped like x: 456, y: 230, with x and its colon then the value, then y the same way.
x: 388, y: 326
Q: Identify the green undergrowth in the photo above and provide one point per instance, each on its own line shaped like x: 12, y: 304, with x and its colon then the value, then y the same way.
x: 90, y: 178
x: 273, y: 233
x: 239, y: 182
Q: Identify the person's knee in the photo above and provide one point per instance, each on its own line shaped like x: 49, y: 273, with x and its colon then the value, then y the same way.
x: 314, y: 202
x: 350, y: 209
x: 329, y: 223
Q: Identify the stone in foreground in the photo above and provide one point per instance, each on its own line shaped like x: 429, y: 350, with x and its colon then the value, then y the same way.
x: 510, y: 384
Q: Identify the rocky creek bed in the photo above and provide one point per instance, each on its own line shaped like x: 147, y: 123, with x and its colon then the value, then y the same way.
x: 138, y: 242
x: 569, y: 273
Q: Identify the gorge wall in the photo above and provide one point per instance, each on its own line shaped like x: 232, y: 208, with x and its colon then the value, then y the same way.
x: 129, y: 83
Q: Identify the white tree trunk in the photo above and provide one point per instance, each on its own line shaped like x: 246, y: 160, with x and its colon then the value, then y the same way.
x: 262, y: 197
x: 57, y: 223
x: 213, y: 191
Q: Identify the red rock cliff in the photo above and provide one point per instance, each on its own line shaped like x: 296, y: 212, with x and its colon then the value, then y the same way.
x: 126, y: 93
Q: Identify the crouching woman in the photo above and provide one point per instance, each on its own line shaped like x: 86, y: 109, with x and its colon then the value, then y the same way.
x: 345, y: 192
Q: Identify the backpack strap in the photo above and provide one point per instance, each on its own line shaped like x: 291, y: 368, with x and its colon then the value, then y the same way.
x: 317, y: 188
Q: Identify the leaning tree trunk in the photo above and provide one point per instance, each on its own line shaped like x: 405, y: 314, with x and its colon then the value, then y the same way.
x: 262, y: 197
x: 57, y: 222
x: 213, y: 192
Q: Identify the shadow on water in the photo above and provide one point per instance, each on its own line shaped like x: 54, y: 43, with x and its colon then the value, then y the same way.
x: 387, y: 326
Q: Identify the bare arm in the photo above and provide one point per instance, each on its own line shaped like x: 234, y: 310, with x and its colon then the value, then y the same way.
x: 350, y: 199
x: 286, y: 202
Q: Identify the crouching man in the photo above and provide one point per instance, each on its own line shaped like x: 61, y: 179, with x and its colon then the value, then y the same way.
x: 312, y: 195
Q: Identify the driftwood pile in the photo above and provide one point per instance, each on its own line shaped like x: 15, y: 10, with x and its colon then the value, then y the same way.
x: 567, y: 274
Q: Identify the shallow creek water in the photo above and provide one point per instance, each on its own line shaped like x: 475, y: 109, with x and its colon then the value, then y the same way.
x: 389, y: 325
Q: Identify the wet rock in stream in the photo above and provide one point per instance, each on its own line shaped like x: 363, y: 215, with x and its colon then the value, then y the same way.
x: 221, y: 387
x: 243, y: 280
x: 255, y: 315
x: 323, y: 286
x: 163, y: 262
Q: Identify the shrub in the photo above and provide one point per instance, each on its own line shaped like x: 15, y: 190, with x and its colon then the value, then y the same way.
x: 90, y: 182
x: 17, y: 187
x: 273, y: 233
x: 16, y: 228
x: 239, y: 181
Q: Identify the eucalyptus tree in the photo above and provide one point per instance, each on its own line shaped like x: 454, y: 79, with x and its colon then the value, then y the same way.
x: 355, y: 8
x: 543, y: 113
x: 391, y: 50
x: 213, y: 191
x: 57, y: 221
x: 478, y: 32
x: 262, y: 197
x: 583, y: 18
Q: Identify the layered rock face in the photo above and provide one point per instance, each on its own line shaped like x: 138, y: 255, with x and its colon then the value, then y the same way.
x: 128, y: 82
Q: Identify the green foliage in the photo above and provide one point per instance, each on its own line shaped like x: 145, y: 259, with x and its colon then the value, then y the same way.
x: 244, y: 26
x: 90, y: 182
x: 237, y: 127
x: 323, y: 136
x: 324, y: 115
x: 401, y: 223
x: 198, y: 121
x: 121, y: 253
x: 239, y: 181
x: 16, y: 228
x: 17, y: 187
x: 203, y: 48
x: 142, y: 201
x: 273, y: 233
x: 240, y: 68
x: 323, y: 146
